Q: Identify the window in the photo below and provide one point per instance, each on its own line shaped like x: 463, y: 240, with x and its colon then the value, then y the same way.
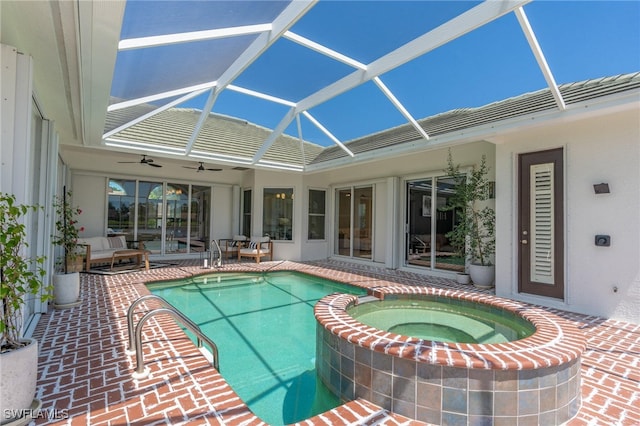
x: 278, y: 213
x: 316, y: 214
x: 246, y: 213
x: 121, y: 207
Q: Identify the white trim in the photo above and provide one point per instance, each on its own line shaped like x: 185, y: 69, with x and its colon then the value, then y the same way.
x: 323, y: 50
x: 154, y: 112
x: 327, y: 132
x: 260, y: 95
x: 400, y: 107
x: 537, y: 52
x: 121, y: 143
x: 186, y: 37
x: 199, y: 88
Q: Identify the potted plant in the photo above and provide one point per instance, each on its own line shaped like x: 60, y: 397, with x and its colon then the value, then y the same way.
x: 474, y: 231
x: 19, y: 277
x: 66, y: 282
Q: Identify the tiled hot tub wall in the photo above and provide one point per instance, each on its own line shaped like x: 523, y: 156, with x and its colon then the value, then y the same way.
x: 426, y: 381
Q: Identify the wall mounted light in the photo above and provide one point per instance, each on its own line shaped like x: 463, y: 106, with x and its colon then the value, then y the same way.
x: 601, y: 188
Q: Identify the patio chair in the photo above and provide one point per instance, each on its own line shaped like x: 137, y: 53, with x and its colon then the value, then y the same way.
x: 257, y: 247
x: 230, y: 246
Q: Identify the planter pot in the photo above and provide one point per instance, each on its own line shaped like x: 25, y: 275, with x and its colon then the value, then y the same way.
x: 18, y: 377
x: 66, y: 290
x: 463, y: 278
x: 482, y: 276
x: 75, y: 265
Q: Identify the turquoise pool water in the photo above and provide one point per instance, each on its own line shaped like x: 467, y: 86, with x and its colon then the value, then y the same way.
x: 443, y: 319
x: 265, y: 330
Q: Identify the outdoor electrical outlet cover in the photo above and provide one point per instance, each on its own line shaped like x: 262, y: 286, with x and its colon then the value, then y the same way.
x: 603, y: 240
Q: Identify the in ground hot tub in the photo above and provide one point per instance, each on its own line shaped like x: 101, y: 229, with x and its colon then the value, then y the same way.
x: 442, y: 319
x: 515, y: 363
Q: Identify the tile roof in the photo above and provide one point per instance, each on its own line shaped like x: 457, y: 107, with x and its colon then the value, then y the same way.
x: 459, y: 119
x: 220, y: 135
x: 227, y: 136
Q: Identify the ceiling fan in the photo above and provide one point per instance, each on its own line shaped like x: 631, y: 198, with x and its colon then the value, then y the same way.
x: 201, y: 168
x: 145, y: 160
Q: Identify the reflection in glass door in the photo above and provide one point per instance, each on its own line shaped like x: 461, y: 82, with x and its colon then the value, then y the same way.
x: 177, y: 214
x: 354, y: 233
x: 121, y: 208
x: 199, y: 223
x: 150, y: 215
x: 343, y: 237
x: 362, y: 223
x: 145, y: 212
x: 426, y: 212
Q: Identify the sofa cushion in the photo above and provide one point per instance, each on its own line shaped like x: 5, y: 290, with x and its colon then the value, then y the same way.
x: 118, y: 242
x: 102, y: 254
x: 96, y: 243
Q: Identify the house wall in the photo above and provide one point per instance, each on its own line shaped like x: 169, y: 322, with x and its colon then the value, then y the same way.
x: 597, y: 149
x: 89, y: 194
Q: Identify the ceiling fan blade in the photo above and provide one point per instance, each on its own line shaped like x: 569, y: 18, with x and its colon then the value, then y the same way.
x: 215, y: 170
x: 192, y: 168
x: 128, y: 162
x: 153, y: 164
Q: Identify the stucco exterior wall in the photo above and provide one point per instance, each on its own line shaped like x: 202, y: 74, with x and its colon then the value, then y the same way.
x: 598, y: 149
x: 89, y: 194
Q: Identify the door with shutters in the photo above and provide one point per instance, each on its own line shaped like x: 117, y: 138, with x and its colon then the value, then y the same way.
x: 540, y: 227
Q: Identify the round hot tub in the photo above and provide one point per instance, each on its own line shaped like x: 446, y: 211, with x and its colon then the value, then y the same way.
x: 450, y: 357
x: 442, y: 319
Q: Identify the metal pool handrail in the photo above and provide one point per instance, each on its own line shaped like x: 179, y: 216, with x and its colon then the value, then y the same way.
x: 219, y: 250
x: 135, y: 337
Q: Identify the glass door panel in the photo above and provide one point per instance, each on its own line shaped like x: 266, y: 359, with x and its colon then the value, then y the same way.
x: 363, y: 222
x: 427, y: 211
x: 448, y: 257
x: 419, y: 218
x: 343, y: 230
x: 150, y: 215
x: 121, y: 202
x: 199, y: 223
x: 177, y: 218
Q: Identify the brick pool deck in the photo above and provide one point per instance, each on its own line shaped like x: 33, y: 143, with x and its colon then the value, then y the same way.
x: 84, y: 375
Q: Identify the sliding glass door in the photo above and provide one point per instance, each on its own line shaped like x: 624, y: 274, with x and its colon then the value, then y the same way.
x: 429, y: 219
x: 166, y: 217
x: 354, y: 217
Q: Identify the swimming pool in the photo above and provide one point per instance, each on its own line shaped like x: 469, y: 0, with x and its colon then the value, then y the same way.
x: 265, y: 330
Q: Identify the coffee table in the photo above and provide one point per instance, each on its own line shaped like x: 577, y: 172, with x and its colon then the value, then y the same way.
x: 130, y: 254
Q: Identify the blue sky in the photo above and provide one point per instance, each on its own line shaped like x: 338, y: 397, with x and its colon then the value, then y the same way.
x: 580, y: 39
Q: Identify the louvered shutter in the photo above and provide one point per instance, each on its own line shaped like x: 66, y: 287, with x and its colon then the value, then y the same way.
x: 542, y: 226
